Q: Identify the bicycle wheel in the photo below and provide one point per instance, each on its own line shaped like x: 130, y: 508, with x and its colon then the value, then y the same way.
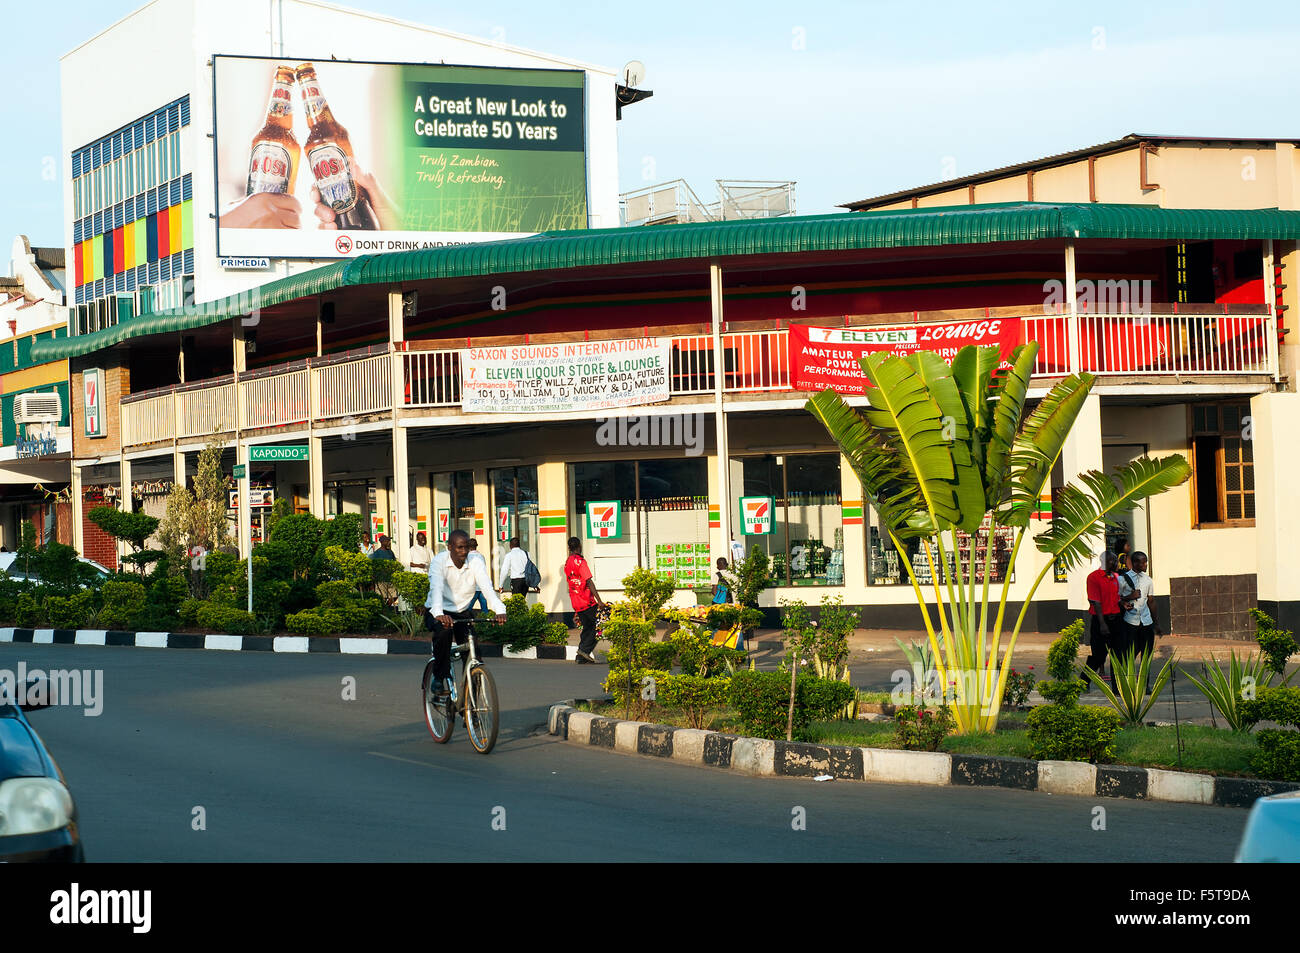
x: 481, y: 709
x: 437, y: 715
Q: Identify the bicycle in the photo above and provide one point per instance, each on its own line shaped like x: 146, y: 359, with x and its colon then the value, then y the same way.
x: 473, y: 695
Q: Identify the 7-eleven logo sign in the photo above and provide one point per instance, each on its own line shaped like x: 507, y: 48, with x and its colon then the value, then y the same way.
x: 503, y: 523
x: 605, y: 519
x: 444, y: 525
x: 756, y: 515
x: 92, y: 384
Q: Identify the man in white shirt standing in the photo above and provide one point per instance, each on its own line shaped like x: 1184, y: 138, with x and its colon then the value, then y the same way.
x: 512, y: 569
x: 1136, y: 590
x: 454, y: 580
x: 421, y: 555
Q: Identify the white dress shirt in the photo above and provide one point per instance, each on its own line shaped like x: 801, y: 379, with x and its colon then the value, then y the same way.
x: 452, y: 589
x: 513, y: 566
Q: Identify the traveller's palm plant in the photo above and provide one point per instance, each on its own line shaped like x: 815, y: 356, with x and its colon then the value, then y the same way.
x: 940, y: 447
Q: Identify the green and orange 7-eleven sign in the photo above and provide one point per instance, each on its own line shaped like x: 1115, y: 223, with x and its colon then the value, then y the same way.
x: 604, y: 519
x: 756, y: 515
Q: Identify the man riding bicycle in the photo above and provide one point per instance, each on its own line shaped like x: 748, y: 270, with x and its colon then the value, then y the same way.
x: 454, y: 580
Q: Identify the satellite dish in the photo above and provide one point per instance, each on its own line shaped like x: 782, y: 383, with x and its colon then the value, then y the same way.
x: 633, y: 74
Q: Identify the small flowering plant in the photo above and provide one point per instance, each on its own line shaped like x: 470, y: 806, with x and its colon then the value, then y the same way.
x: 1019, y: 685
x: 918, y: 728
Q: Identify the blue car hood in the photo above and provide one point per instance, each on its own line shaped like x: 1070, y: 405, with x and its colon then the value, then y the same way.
x: 21, y: 755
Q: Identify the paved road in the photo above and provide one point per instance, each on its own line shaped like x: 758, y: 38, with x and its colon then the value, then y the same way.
x: 285, y: 769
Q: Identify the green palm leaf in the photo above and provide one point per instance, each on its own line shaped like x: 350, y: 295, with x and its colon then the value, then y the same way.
x: 1078, y: 517
x: 1039, y: 444
x: 885, y: 480
x: 958, y: 428
x: 1008, y: 400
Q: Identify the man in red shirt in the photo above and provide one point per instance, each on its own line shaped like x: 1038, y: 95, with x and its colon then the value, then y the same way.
x: 586, y: 600
x: 1105, y: 613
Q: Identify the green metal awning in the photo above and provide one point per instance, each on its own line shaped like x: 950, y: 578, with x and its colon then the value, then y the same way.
x: 846, y: 231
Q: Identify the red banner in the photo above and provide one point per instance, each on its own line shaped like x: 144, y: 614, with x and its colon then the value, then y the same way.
x: 828, y: 357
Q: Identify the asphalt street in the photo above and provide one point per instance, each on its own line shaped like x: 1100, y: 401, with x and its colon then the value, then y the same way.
x: 266, y: 751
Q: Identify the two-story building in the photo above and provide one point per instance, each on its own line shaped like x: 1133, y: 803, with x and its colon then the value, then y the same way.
x: 643, y: 388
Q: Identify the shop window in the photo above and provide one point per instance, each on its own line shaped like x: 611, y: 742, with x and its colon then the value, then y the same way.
x: 1223, y: 467
x: 659, y: 515
x: 453, y: 503
x: 806, y: 538
x: 887, y: 566
x: 515, y: 512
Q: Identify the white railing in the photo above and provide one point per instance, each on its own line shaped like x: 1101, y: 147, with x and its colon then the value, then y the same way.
x: 203, y: 411
x: 276, y: 400
x: 149, y: 420
x: 1135, y: 345
x: 432, y: 378
x: 352, y: 388
x: 1143, y: 344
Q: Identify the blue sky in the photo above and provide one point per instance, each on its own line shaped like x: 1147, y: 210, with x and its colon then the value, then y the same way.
x: 848, y: 99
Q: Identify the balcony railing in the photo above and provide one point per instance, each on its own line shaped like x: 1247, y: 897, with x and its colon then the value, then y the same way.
x: 352, y: 386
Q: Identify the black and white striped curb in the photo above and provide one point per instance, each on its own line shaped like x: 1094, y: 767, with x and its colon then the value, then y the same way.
x: 759, y: 757
x: 266, y: 643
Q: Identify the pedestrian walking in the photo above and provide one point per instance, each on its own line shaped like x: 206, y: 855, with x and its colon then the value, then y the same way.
x: 584, y: 598
x: 1104, y: 610
x: 480, y: 602
x: 1136, y: 593
x: 513, y: 569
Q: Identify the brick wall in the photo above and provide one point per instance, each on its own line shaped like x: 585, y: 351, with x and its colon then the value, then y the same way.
x: 98, y: 545
x: 117, y: 384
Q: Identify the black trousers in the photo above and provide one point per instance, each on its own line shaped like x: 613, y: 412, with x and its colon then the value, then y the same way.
x: 587, y: 640
x: 441, y: 639
x: 519, y: 587
x: 1100, y: 643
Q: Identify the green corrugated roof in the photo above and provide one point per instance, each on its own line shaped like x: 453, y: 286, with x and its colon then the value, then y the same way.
x: 846, y: 231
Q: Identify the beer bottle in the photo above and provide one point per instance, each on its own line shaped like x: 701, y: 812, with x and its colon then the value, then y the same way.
x: 329, y: 155
x: 274, y: 163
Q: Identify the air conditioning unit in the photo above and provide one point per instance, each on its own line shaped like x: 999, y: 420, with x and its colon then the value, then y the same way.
x: 38, y: 408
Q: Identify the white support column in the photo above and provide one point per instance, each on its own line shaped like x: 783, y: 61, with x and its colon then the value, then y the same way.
x: 125, y: 505
x: 316, y: 476
x: 1275, y: 419
x: 719, y: 413
x: 1270, y: 299
x: 78, y: 536
x: 1082, y: 452
x: 178, y: 468
x: 1072, y: 322
x: 400, y: 504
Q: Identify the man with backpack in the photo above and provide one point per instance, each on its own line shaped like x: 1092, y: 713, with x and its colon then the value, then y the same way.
x: 514, y: 569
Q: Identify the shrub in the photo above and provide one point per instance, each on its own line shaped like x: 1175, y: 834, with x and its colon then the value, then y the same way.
x: 557, y: 633
x: 189, y: 611
x: 647, y: 591
x: 344, y: 531
x: 1278, y: 755
x: 1278, y: 645
x: 1072, y: 733
x: 413, y: 587
x: 1064, y: 685
x: 922, y: 729
x: 524, y: 627
x: 1019, y: 685
x: 293, y: 543
x: 70, y: 612
x: 27, y: 611
x: 761, y: 701
x: 633, y: 692
x: 834, y: 626
x: 1280, y: 704
x: 694, y: 695
x: 825, y: 698
x: 226, y: 619
x: 122, y: 600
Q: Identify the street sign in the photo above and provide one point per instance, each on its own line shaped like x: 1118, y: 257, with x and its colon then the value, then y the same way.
x: 297, y: 452
x: 240, y: 471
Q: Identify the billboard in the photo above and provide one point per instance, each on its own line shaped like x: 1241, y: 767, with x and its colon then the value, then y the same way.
x: 328, y: 159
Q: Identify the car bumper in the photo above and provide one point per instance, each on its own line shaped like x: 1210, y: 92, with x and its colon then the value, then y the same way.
x: 51, y: 847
